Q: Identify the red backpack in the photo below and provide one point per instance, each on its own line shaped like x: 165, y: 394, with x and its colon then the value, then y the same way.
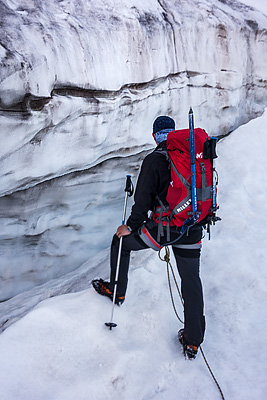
x: 179, y: 192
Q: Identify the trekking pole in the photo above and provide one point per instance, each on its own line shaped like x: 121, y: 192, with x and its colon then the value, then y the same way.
x: 128, y: 192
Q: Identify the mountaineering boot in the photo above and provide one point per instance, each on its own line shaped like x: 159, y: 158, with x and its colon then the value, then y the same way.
x: 103, y: 288
x: 190, y: 351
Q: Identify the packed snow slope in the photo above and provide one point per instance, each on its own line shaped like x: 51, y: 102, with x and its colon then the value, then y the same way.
x: 80, y: 85
x: 61, y: 350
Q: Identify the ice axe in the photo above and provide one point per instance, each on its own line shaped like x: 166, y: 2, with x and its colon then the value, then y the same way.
x: 128, y: 193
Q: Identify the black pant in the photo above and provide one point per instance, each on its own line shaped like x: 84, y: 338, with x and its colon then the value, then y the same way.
x: 188, y: 267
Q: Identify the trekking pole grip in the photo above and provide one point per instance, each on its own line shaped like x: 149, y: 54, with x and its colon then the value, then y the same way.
x: 129, y: 189
x: 129, y: 186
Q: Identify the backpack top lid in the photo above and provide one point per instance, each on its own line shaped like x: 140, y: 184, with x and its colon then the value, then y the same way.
x: 180, y: 140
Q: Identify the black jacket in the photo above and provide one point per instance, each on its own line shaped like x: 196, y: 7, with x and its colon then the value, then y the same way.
x: 154, y: 179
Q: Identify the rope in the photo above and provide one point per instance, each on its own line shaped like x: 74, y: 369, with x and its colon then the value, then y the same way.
x: 166, y: 258
x: 169, y: 266
x: 212, y: 374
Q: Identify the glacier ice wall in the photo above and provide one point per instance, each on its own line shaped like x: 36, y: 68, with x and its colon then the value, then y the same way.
x: 80, y: 85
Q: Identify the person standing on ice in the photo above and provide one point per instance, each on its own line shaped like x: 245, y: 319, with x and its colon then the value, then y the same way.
x: 151, y: 191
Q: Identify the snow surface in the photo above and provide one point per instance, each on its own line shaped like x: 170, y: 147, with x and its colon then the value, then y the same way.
x: 61, y: 350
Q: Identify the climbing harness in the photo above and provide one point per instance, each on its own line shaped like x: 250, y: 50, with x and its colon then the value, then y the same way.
x: 166, y: 258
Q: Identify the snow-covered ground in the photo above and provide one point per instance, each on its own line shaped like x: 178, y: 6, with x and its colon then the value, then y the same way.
x: 61, y: 350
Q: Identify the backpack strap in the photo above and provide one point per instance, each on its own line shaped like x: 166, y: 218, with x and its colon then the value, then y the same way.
x: 162, y: 209
x: 180, y: 176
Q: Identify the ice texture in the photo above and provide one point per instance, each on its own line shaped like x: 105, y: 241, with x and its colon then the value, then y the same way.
x: 80, y: 85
